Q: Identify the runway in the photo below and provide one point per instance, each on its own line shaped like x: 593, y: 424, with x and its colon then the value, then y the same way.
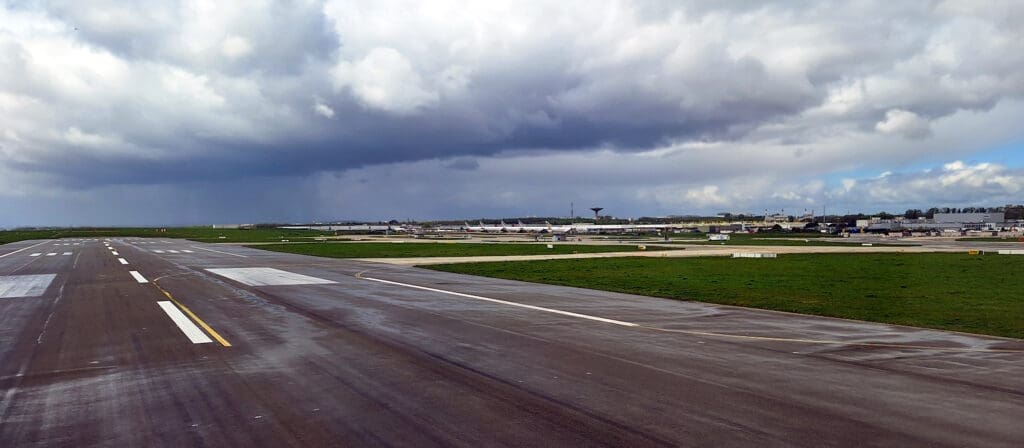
x: 156, y: 342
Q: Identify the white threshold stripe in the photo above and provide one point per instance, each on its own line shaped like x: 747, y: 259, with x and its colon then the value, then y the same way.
x: 138, y: 277
x: 66, y: 253
x: 504, y: 302
x: 186, y: 326
x: 122, y: 261
x: 24, y: 248
x: 219, y: 252
x: 114, y: 253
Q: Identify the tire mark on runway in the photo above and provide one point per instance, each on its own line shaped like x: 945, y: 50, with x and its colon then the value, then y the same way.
x: 834, y: 342
x: 713, y: 334
x: 46, y: 323
x: 468, y: 376
x: 8, y: 398
x: 537, y: 403
x: 23, y: 265
x: 912, y: 373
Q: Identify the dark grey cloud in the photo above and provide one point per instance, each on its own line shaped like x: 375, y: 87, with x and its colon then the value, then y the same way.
x: 463, y: 164
x: 114, y: 94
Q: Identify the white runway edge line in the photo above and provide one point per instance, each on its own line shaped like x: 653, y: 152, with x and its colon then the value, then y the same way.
x: 122, y: 261
x: 503, y: 302
x: 24, y: 248
x: 138, y: 277
x: 219, y: 252
x: 186, y: 326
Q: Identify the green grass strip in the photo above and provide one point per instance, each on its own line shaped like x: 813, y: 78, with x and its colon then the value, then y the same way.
x: 974, y: 294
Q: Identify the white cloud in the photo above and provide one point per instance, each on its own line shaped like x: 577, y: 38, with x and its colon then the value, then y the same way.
x: 905, y: 123
x: 705, y: 197
x: 955, y: 184
x: 384, y: 79
x: 323, y: 110
x: 235, y: 47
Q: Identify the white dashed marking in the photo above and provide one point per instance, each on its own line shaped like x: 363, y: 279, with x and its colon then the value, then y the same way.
x: 268, y: 277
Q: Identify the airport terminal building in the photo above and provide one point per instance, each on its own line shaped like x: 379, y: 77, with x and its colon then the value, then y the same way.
x: 943, y: 222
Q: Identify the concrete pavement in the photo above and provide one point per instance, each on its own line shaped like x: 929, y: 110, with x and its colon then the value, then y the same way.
x: 303, y: 351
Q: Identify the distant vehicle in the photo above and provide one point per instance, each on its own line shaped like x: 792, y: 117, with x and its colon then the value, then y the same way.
x: 719, y: 237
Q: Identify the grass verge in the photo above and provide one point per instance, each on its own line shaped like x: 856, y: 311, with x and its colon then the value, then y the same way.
x: 993, y: 240
x: 410, y: 250
x: 775, y: 239
x: 780, y: 242
x: 943, y: 291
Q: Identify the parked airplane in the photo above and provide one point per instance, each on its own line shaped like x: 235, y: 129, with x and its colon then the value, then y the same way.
x: 483, y: 228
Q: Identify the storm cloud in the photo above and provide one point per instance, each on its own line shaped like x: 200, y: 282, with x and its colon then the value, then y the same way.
x: 651, y: 107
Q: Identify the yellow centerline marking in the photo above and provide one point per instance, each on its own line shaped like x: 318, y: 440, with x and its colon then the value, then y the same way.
x: 193, y: 316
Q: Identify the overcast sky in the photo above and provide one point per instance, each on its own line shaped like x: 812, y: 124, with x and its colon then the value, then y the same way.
x: 193, y: 112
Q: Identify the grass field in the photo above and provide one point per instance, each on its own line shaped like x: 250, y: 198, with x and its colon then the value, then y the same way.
x: 202, y: 234
x: 770, y: 239
x: 400, y: 250
x: 10, y: 236
x: 992, y: 240
x: 944, y: 291
x: 778, y: 242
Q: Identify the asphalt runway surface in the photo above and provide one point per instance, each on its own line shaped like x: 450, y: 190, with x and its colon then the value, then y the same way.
x: 132, y: 342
